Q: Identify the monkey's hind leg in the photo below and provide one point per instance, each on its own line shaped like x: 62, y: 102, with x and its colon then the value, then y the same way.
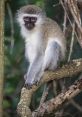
x: 51, y: 58
x: 52, y: 55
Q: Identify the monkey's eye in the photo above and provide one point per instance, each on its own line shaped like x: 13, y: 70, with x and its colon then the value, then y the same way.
x: 26, y: 19
x: 33, y: 19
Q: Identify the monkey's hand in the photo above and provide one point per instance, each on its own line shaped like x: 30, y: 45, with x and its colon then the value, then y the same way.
x: 28, y: 83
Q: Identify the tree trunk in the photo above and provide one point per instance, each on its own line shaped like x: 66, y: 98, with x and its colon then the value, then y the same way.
x: 1, y: 54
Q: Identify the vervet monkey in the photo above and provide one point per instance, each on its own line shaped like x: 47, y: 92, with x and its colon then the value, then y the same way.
x: 45, y: 43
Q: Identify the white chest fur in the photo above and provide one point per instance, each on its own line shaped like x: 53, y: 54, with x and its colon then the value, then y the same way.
x: 33, y: 44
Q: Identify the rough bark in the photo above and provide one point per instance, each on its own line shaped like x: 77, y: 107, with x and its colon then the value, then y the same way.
x: 67, y: 70
x: 55, y: 103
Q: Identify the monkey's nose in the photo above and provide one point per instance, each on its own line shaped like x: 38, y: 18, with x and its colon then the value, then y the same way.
x: 29, y: 26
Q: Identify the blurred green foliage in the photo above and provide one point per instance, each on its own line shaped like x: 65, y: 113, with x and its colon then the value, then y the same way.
x: 15, y: 63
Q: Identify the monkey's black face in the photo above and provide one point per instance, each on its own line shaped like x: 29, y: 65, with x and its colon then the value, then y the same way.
x: 30, y: 22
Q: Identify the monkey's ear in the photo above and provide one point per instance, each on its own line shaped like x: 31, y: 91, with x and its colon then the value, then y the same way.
x: 19, y: 17
x: 17, y: 14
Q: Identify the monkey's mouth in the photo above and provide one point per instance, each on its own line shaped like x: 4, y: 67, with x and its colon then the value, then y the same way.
x: 29, y: 26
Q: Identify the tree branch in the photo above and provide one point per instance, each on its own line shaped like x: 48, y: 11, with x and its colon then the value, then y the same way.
x: 56, y: 103
x: 67, y: 70
x: 76, y: 15
x: 73, y: 8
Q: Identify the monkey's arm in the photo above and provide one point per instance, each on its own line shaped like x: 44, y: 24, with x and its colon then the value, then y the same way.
x: 33, y: 71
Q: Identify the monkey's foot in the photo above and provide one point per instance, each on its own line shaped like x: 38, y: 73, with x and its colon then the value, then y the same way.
x: 27, y: 86
x: 30, y: 84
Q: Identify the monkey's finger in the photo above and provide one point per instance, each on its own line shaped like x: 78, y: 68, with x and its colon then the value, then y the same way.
x: 27, y: 86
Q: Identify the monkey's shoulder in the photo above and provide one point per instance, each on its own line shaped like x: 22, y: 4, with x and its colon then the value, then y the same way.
x: 50, y: 21
x: 51, y: 28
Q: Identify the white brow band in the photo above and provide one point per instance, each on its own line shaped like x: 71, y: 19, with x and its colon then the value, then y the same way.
x: 30, y: 15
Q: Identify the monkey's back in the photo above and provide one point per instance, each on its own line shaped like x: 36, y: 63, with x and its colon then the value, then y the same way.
x: 53, y: 31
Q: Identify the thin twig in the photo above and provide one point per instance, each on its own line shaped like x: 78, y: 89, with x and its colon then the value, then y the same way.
x: 43, y: 98
x: 72, y: 42
x: 76, y: 105
x: 12, y: 27
x: 68, y: 18
x: 65, y: 20
x: 45, y: 93
x: 64, y: 24
x: 73, y: 8
x: 56, y: 4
